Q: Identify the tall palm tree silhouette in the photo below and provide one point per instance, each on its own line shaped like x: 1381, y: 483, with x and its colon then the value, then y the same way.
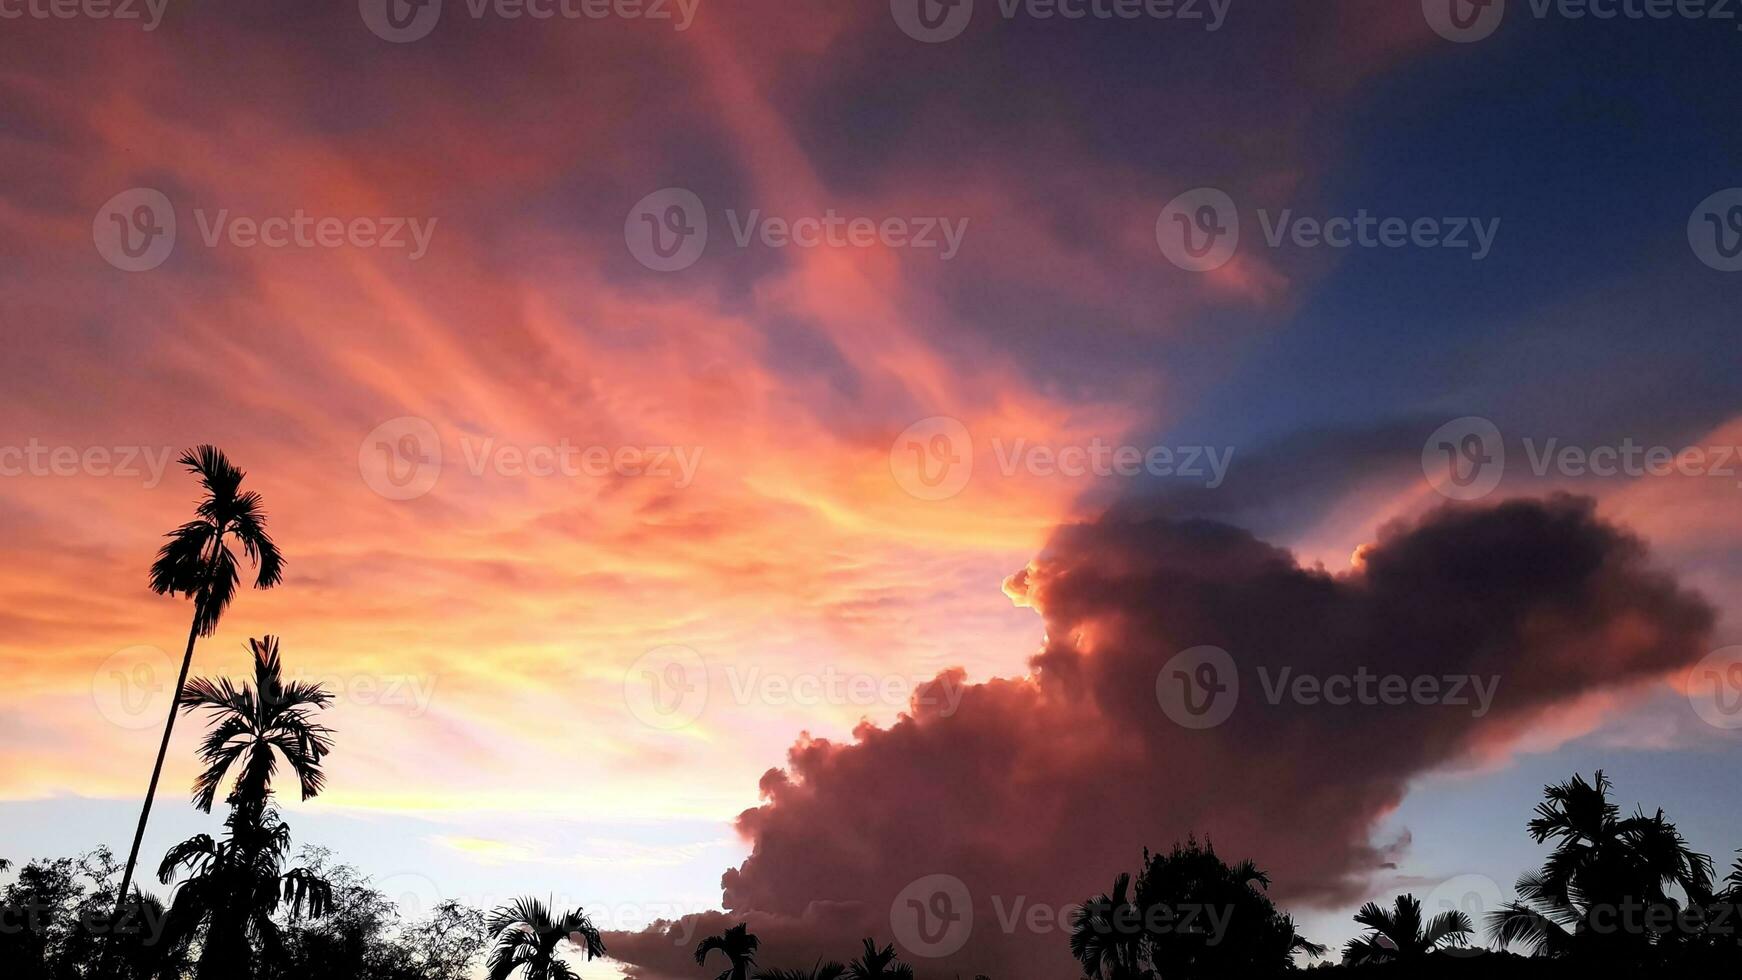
x: 738, y: 945
x: 234, y: 888
x: 878, y: 964
x: 527, y: 934
x: 198, y: 563
x: 1602, y: 863
x: 254, y: 726
x: 1398, y: 933
x: 1107, y: 937
x: 236, y: 885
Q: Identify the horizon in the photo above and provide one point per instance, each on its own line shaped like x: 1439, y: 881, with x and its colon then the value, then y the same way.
x: 760, y: 456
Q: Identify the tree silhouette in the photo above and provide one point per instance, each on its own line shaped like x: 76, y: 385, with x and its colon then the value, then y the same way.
x: 1182, y: 891
x: 1601, y: 867
x: 1107, y: 935
x: 878, y: 964
x: 237, y: 884
x: 527, y: 934
x: 1398, y: 933
x: 255, y: 726
x: 198, y: 563
x: 234, y: 888
x: 739, y: 947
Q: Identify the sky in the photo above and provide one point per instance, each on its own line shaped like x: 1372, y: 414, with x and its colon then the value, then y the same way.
x: 762, y: 456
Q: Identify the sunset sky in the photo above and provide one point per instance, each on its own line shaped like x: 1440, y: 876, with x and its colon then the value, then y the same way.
x: 525, y: 471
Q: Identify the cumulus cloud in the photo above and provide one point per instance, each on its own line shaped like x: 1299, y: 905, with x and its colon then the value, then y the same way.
x: 1037, y: 790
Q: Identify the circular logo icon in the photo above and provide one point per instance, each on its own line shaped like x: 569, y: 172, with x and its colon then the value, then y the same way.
x: 1472, y: 894
x: 932, y: 21
x: 933, y: 459
x: 933, y: 916
x: 401, y: 459
x: 1199, y: 230
x: 1465, y: 458
x: 667, y: 687
x: 1715, y: 230
x: 1198, y: 688
x: 667, y: 230
x: 400, y: 21
x: 132, y: 687
x: 416, y: 895
x: 135, y: 230
x: 1464, y: 21
x: 1715, y: 688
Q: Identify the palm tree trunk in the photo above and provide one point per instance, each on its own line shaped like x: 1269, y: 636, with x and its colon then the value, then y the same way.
x: 151, y: 792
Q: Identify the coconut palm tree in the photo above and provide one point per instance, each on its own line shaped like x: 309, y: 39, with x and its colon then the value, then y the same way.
x: 234, y: 888
x: 198, y: 563
x: 878, y: 964
x: 739, y: 947
x: 821, y: 971
x: 1398, y: 933
x: 527, y: 934
x: 1107, y: 935
x: 1602, y: 864
x: 255, y: 726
